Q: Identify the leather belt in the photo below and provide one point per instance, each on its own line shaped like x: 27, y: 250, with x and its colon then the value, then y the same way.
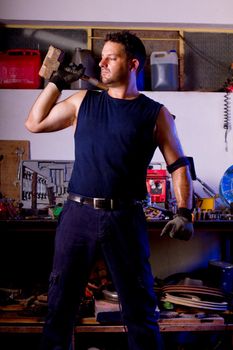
x: 102, y: 203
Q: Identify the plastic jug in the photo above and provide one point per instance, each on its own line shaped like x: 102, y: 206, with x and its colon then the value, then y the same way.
x: 164, y: 71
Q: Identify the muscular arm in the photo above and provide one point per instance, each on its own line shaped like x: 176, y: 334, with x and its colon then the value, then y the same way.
x: 47, y: 114
x: 170, y: 146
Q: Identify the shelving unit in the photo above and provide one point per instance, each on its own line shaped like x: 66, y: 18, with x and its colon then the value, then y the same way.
x: 204, y: 53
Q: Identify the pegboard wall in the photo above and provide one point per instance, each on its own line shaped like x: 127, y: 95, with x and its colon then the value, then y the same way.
x: 207, y: 60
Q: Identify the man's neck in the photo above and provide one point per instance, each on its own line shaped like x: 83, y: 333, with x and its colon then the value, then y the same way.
x: 123, y: 92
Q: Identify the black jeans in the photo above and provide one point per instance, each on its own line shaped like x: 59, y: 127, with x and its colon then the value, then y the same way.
x: 122, y: 237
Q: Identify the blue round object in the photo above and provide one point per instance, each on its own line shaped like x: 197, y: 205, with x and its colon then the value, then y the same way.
x: 226, y: 186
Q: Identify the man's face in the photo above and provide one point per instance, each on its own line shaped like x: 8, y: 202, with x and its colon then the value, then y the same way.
x: 115, y: 66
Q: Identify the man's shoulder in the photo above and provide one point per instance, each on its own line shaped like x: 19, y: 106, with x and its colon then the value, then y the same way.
x: 93, y: 94
x: 147, y: 100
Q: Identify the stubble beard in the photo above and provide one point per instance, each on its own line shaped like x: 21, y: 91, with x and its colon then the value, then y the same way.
x: 109, y: 80
x: 106, y: 77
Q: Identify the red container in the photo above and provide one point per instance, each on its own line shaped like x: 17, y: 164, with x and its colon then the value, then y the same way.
x: 156, y: 181
x: 19, y: 69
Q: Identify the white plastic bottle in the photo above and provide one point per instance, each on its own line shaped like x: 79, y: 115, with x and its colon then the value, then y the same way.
x: 164, y: 71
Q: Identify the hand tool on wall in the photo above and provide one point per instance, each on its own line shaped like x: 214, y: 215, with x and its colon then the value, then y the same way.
x: 19, y: 151
x: 228, y: 89
x: 51, y: 64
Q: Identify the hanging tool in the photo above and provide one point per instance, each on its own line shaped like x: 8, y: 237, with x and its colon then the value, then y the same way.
x: 226, y: 121
x: 228, y: 88
x: 19, y: 151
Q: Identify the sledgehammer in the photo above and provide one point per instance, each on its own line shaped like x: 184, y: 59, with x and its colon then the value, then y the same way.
x: 52, y: 61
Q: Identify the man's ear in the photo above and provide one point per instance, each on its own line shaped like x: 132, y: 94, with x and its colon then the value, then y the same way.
x: 134, y: 64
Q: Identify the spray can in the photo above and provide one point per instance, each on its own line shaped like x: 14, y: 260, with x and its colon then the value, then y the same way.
x: 164, y: 71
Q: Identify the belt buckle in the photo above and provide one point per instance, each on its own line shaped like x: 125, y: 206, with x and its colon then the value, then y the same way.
x: 105, y: 203
x: 96, y: 202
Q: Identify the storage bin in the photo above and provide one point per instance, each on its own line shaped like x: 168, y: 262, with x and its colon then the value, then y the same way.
x: 164, y: 71
x: 19, y: 69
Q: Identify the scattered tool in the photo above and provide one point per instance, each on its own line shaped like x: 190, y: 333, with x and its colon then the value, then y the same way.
x: 213, y: 196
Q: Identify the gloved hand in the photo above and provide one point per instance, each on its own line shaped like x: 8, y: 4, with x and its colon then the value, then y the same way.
x: 64, y: 77
x: 181, y: 227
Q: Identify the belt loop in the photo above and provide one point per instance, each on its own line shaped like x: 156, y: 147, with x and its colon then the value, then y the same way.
x: 94, y: 202
x: 112, y: 204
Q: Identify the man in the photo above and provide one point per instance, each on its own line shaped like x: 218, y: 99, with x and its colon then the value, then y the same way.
x: 116, y: 134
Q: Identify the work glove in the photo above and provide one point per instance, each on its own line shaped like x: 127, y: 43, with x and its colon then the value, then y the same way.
x: 64, y: 77
x: 181, y: 226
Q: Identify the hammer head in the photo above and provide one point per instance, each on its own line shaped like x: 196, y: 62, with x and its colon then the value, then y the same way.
x: 51, y: 62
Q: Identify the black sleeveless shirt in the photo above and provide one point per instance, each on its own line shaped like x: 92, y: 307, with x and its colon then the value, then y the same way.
x: 114, y: 145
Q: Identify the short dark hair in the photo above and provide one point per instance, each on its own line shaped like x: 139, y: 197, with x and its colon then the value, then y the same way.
x: 134, y: 47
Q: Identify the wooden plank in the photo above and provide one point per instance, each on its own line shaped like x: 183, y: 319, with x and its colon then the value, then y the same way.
x: 13, y: 324
x: 11, y: 154
x: 180, y: 321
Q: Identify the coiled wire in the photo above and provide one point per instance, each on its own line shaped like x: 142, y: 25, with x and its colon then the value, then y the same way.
x: 227, y: 116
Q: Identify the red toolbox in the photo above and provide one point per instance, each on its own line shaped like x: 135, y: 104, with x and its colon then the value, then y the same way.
x: 156, y: 182
x: 19, y: 69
